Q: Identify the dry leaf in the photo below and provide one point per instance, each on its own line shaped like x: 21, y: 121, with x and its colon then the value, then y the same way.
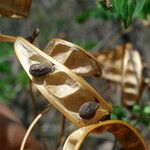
x: 12, y: 131
x: 73, y: 57
x: 62, y: 88
x: 123, y: 65
x: 127, y: 135
x: 14, y: 8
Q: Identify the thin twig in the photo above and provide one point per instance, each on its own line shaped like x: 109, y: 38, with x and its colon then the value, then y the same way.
x: 34, y: 35
x: 62, y: 131
x: 32, y: 125
x: 32, y: 98
x: 35, y: 112
x: 110, y: 39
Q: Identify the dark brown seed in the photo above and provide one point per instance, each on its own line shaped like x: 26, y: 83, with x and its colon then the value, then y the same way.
x: 88, y: 110
x: 39, y: 70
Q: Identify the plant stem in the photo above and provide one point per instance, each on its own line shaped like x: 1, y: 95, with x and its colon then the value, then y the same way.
x: 35, y: 112
x: 32, y: 125
x: 109, y: 40
x: 60, y: 140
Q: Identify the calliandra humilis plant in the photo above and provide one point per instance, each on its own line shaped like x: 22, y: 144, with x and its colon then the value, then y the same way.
x: 57, y: 73
x: 14, y: 8
x: 123, y: 65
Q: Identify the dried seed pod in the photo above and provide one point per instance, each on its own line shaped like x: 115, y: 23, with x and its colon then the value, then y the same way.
x: 88, y: 110
x: 67, y: 53
x: 15, y: 8
x: 124, y: 132
x: 106, y: 117
x: 62, y: 87
x: 39, y: 70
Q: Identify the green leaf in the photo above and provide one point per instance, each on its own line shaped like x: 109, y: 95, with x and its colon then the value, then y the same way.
x: 118, y: 112
x: 6, y: 49
x: 5, y: 68
x: 125, y: 13
x: 139, y: 7
x: 127, y: 9
x: 146, y: 9
x: 118, y: 6
x: 113, y: 116
x: 146, y: 122
x: 146, y: 110
x: 137, y: 109
x: 132, y: 7
x: 22, y: 78
x: 83, y: 16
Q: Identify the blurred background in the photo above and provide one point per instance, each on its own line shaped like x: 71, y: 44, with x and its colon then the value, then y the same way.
x: 80, y: 22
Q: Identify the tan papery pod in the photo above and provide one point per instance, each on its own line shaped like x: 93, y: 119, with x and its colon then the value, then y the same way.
x: 62, y: 88
x: 14, y: 8
x: 127, y: 135
x: 73, y: 57
x: 124, y: 66
x: 7, y: 38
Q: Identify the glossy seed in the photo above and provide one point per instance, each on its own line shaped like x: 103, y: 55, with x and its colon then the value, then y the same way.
x: 88, y: 110
x: 39, y: 70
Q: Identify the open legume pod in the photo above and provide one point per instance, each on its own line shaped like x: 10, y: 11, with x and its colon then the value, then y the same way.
x: 74, y: 57
x: 123, y: 65
x: 14, y: 8
x: 61, y: 86
x: 127, y: 135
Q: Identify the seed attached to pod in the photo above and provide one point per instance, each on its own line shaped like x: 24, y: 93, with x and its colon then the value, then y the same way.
x: 39, y: 70
x: 106, y: 117
x: 88, y: 110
